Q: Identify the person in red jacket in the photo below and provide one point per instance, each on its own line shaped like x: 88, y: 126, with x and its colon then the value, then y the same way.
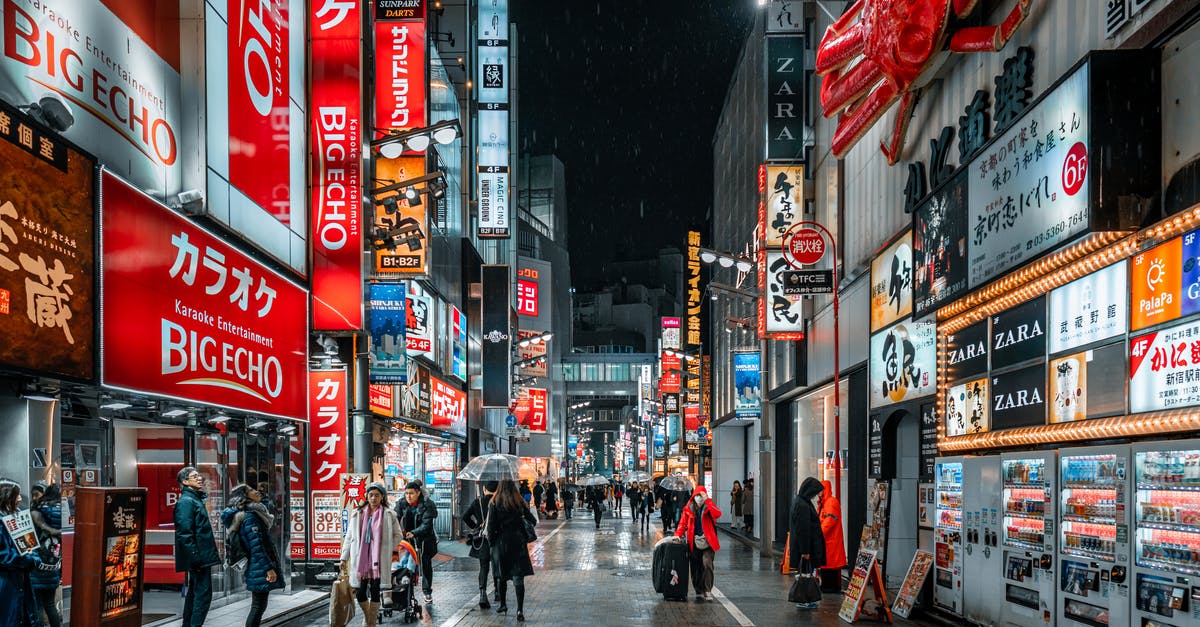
x: 702, y: 539
x: 835, y: 545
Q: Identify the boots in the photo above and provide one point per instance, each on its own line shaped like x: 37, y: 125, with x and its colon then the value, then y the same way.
x: 370, y: 613
x: 483, y: 600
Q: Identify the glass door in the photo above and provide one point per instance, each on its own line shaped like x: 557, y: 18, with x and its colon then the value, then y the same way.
x: 266, y: 466
x: 213, y: 459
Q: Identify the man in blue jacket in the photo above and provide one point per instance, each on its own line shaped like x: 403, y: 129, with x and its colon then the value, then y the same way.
x: 195, y: 548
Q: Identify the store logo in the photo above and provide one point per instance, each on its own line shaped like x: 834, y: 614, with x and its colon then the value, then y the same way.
x: 495, y: 336
x: 1016, y: 400
x: 964, y: 353
x: 1155, y: 274
x: 1021, y: 333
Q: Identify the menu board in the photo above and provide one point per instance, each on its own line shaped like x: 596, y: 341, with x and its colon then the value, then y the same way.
x: 918, y: 570
x: 929, y: 438
x: 1090, y: 309
x: 1018, y: 334
x: 124, y: 532
x: 1164, y: 369
x: 967, y: 352
x: 967, y: 408
x: 1079, y: 391
x: 865, y: 573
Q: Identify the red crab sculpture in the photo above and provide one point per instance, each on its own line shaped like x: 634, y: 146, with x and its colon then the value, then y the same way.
x: 877, y: 51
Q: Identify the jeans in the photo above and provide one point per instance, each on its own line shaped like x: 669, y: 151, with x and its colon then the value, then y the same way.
x: 258, y: 605
x: 702, y: 569
x: 365, y: 587
x: 46, y: 601
x: 199, y: 597
x: 426, y: 550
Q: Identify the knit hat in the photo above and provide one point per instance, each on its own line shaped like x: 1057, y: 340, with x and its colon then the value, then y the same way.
x: 375, y: 485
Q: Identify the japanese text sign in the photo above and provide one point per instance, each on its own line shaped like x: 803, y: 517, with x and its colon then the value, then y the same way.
x: 780, y: 315
x: 903, y: 362
x: 188, y: 316
x: 1089, y: 309
x: 968, y: 408
x: 400, y: 75
x: 695, y: 298
x: 402, y: 229
x: 1164, y: 282
x: 1164, y: 369
x: 448, y: 410
x: 785, y: 202
x: 418, y: 326
x: 527, y: 298
x: 892, y: 283
x: 328, y: 454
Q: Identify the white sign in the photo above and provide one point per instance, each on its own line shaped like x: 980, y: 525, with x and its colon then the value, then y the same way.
x: 1028, y: 191
x: 1164, y: 369
x: 122, y: 93
x: 1090, y: 309
x: 517, y: 432
x: 418, y: 336
x: 493, y: 20
x: 784, y: 314
x: 903, y: 362
x: 785, y: 16
x: 967, y: 408
x: 493, y: 79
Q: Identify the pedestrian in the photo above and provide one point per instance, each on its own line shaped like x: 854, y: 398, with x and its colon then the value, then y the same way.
x: 666, y: 507
x: 46, y: 579
x: 568, y: 497
x: 748, y: 506
x: 807, y: 544
x: 367, y: 550
x: 481, y: 549
x: 538, y: 492
x: 635, y: 496
x: 551, y: 499
x: 618, y: 495
x: 647, y: 506
x: 681, y: 498
x: 506, y: 520
x: 830, y: 511
x: 596, y: 502
x: 195, y: 547
x: 416, y: 515
x: 608, y: 496
x: 526, y: 493
x: 18, y: 607
x: 735, y: 503
x: 698, y: 524
x: 248, y: 517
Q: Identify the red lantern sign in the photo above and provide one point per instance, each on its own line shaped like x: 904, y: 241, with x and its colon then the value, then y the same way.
x: 803, y: 247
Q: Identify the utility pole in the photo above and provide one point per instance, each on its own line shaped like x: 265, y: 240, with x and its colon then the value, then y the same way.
x: 766, y: 456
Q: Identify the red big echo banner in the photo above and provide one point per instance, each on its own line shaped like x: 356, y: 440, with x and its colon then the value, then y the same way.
x: 335, y: 166
x: 259, y: 122
x: 188, y: 316
x: 400, y: 75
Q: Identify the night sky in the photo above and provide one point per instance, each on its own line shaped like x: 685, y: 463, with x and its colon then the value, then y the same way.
x: 626, y: 93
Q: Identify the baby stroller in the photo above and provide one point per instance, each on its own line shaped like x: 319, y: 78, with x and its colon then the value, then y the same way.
x: 405, y: 576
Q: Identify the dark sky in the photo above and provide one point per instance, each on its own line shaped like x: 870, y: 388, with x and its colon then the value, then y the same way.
x: 626, y: 93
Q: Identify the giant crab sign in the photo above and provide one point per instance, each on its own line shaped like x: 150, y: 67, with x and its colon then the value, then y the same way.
x: 877, y: 52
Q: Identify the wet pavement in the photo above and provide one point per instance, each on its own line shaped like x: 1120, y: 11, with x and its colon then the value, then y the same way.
x: 602, y: 577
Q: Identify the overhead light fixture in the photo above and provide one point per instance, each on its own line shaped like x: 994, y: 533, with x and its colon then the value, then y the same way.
x: 218, y: 419
x: 115, y: 405
x: 38, y: 396
x: 413, y: 196
x: 417, y: 140
x: 257, y: 424
x: 174, y: 413
x: 287, y: 429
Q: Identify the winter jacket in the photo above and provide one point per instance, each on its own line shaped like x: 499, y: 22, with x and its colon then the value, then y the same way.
x: 473, y: 518
x: 391, y: 536
x: 261, y: 555
x: 831, y: 527
x: 418, y: 518
x: 747, y: 501
x: 17, y: 605
x: 735, y: 499
x: 708, y: 521
x: 568, y: 497
x: 805, y: 527
x: 506, y: 531
x: 51, y: 515
x: 195, y: 548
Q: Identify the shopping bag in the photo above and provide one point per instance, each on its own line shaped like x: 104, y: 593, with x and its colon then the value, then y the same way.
x: 806, y: 588
x: 341, y: 601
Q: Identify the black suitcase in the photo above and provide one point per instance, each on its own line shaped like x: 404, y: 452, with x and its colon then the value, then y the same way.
x: 670, y: 570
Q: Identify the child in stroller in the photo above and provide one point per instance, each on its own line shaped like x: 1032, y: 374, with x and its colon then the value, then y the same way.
x: 405, y: 577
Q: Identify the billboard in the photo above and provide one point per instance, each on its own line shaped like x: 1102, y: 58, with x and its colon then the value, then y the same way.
x: 448, y: 407
x: 188, y: 316
x: 1018, y: 334
x: 786, y: 88
x: 493, y: 81
x: 47, y: 252
x: 399, y: 75
x: 785, y: 203
x: 1090, y: 309
x: 387, y: 327
x: 1164, y: 368
x: 401, y: 237
x: 328, y: 458
x: 967, y: 352
x: 967, y: 408
x: 1087, y: 384
x: 496, y: 336
x: 780, y: 315
x: 535, y: 297
x: 418, y: 325
x: 458, y: 340
x: 903, y: 362
x: 892, y: 283
x: 1019, y: 398
x: 747, y: 383
x: 415, y: 395
x: 530, y: 352
x: 940, y: 247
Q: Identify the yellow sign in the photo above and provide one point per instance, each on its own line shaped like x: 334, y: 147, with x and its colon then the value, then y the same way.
x: 401, y: 234
x: 785, y: 202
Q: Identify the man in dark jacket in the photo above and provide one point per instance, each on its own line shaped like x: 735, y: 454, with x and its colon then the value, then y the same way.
x: 568, y: 497
x: 195, y: 548
x: 416, y: 514
x: 807, y: 545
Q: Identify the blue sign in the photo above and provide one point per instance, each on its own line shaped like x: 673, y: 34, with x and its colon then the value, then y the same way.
x: 747, y: 382
x: 387, y: 355
x: 510, y: 420
x: 660, y: 441
x: 702, y: 431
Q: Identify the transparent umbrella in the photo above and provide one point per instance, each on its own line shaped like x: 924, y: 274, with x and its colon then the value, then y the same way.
x: 593, y: 480
x: 678, y: 483
x: 639, y: 476
x: 491, y: 467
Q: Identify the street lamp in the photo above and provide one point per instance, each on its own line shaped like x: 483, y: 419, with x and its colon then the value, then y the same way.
x: 726, y: 260
x: 393, y: 145
x: 670, y: 352
x: 537, y: 339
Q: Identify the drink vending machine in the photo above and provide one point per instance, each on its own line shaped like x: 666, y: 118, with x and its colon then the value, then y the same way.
x: 1093, y: 549
x: 947, y: 534
x: 981, y: 539
x: 1166, y: 569
x: 1030, y: 494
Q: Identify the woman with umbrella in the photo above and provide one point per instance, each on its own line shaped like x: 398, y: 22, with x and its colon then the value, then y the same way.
x: 506, y: 519
x: 596, y: 488
x: 487, y: 471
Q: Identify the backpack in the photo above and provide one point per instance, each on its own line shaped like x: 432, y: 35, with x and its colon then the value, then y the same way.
x: 235, y: 551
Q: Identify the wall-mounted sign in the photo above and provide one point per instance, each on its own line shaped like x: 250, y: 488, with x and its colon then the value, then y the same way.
x: 903, y: 362
x: 1079, y: 391
x: 492, y: 180
x: 47, y: 252
x: 929, y: 439
x: 892, y: 283
x: 458, y: 337
x: 671, y: 333
x: 533, y: 351
x: 1029, y: 189
x: 534, y: 294
x: 1019, y: 334
x: 448, y: 408
x: 381, y: 399
x: 387, y: 356
x: 671, y: 402
x: 328, y: 452
x: 695, y: 297
x: 496, y: 336
x: 539, y: 408
x: 780, y: 315
x: 785, y: 202
x: 527, y: 298
x: 747, y: 381
x: 399, y: 9
x: 1089, y: 309
x: 415, y: 395
x: 418, y: 325
x: 1164, y: 369
x: 401, y: 238
x: 940, y: 247
x: 1165, y: 282
x: 399, y: 75
x: 967, y: 352
x: 226, y: 330
x: 807, y: 282
x: 967, y: 408
x: 786, y: 93
x: 1019, y: 398
x: 784, y: 16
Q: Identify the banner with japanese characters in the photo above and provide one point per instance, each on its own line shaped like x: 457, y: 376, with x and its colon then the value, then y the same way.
x: 780, y: 315
x: 328, y: 459
x: 493, y: 80
x: 534, y: 293
x: 400, y: 87
x: 903, y: 362
x: 186, y: 315
x: 967, y: 408
x: 892, y: 283
x: 418, y: 325
x: 1028, y: 191
x: 1090, y: 309
x: 785, y: 202
x: 448, y: 407
x: 1164, y: 369
x: 387, y: 325
x: 47, y: 251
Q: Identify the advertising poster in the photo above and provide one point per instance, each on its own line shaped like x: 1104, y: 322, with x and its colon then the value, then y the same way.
x: 448, y: 407
x: 19, y: 527
x: 967, y: 406
x: 492, y: 182
x: 747, y: 381
x: 326, y: 524
x: 671, y: 333
x: 929, y: 438
x: 1019, y: 398
x: 940, y: 247
x: 903, y: 362
x: 1078, y: 391
x: 781, y: 314
x: 415, y: 394
x: 401, y: 236
x: 388, y: 323
x: 458, y: 340
x: 1164, y: 369
x: 1029, y: 188
x: 1165, y: 282
x: 785, y: 202
x: 1090, y: 309
x: 297, y: 501
x: 967, y: 352
x: 399, y: 75
x: 918, y: 570
x: 47, y: 252
x: 188, y: 316
x: 496, y: 336
x: 418, y: 325
x: 124, y: 538
x: 660, y: 442
x: 1018, y: 334
x: 864, y: 569
x: 892, y: 283
x: 381, y: 398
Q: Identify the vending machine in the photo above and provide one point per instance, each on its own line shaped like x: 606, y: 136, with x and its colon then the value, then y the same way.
x: 1030, y: 496
x: 981, y: 539
x: 947, y: 534
x: 1093, y: 541
x: 1166, y: 548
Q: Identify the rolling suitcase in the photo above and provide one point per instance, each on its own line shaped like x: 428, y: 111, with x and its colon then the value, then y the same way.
x: 670, y: 570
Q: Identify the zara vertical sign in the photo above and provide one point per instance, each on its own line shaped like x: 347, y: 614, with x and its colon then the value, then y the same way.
x: 785, y: 97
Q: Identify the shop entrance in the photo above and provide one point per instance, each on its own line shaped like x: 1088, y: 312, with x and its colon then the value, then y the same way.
x: 902, y: 433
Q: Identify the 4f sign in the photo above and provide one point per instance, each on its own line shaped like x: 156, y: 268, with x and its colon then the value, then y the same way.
x: 804, y: 247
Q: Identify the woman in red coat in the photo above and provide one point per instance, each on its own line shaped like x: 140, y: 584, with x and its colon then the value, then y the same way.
x: 835, y: 545
x: 701, y: 538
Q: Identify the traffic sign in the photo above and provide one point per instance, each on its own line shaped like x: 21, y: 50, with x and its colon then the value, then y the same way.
x: 510, y: 420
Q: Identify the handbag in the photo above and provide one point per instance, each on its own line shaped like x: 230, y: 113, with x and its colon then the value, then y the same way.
x: 806, y: 588
x: 530, y: 530
x: 341, y: 607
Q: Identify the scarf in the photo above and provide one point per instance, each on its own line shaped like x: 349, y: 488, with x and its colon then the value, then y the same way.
x: 267, y: 518
x: 372, y: 529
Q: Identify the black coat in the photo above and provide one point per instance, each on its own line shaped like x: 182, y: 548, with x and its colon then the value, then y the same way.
x: 805, y: 526
x: 418, y: 518
x: 195, y: 548
x: 474, y: 519
x: 506, y: 532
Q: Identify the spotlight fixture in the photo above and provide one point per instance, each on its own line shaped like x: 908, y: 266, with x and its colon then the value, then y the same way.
x: 287, y: 429
x: 394, y: 144
x: 116, y: 405
x: 218, y: 419
x: 537, y: 339
x: 174, y: 413
x: 726, y: 260
x: 38, y: 396
x: 52, y: 111
x: 680, y: 354
x: 257, y: 424
x: 413, y: 196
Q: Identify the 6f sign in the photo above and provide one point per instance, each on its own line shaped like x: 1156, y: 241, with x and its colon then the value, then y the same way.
x: 803, y: 247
